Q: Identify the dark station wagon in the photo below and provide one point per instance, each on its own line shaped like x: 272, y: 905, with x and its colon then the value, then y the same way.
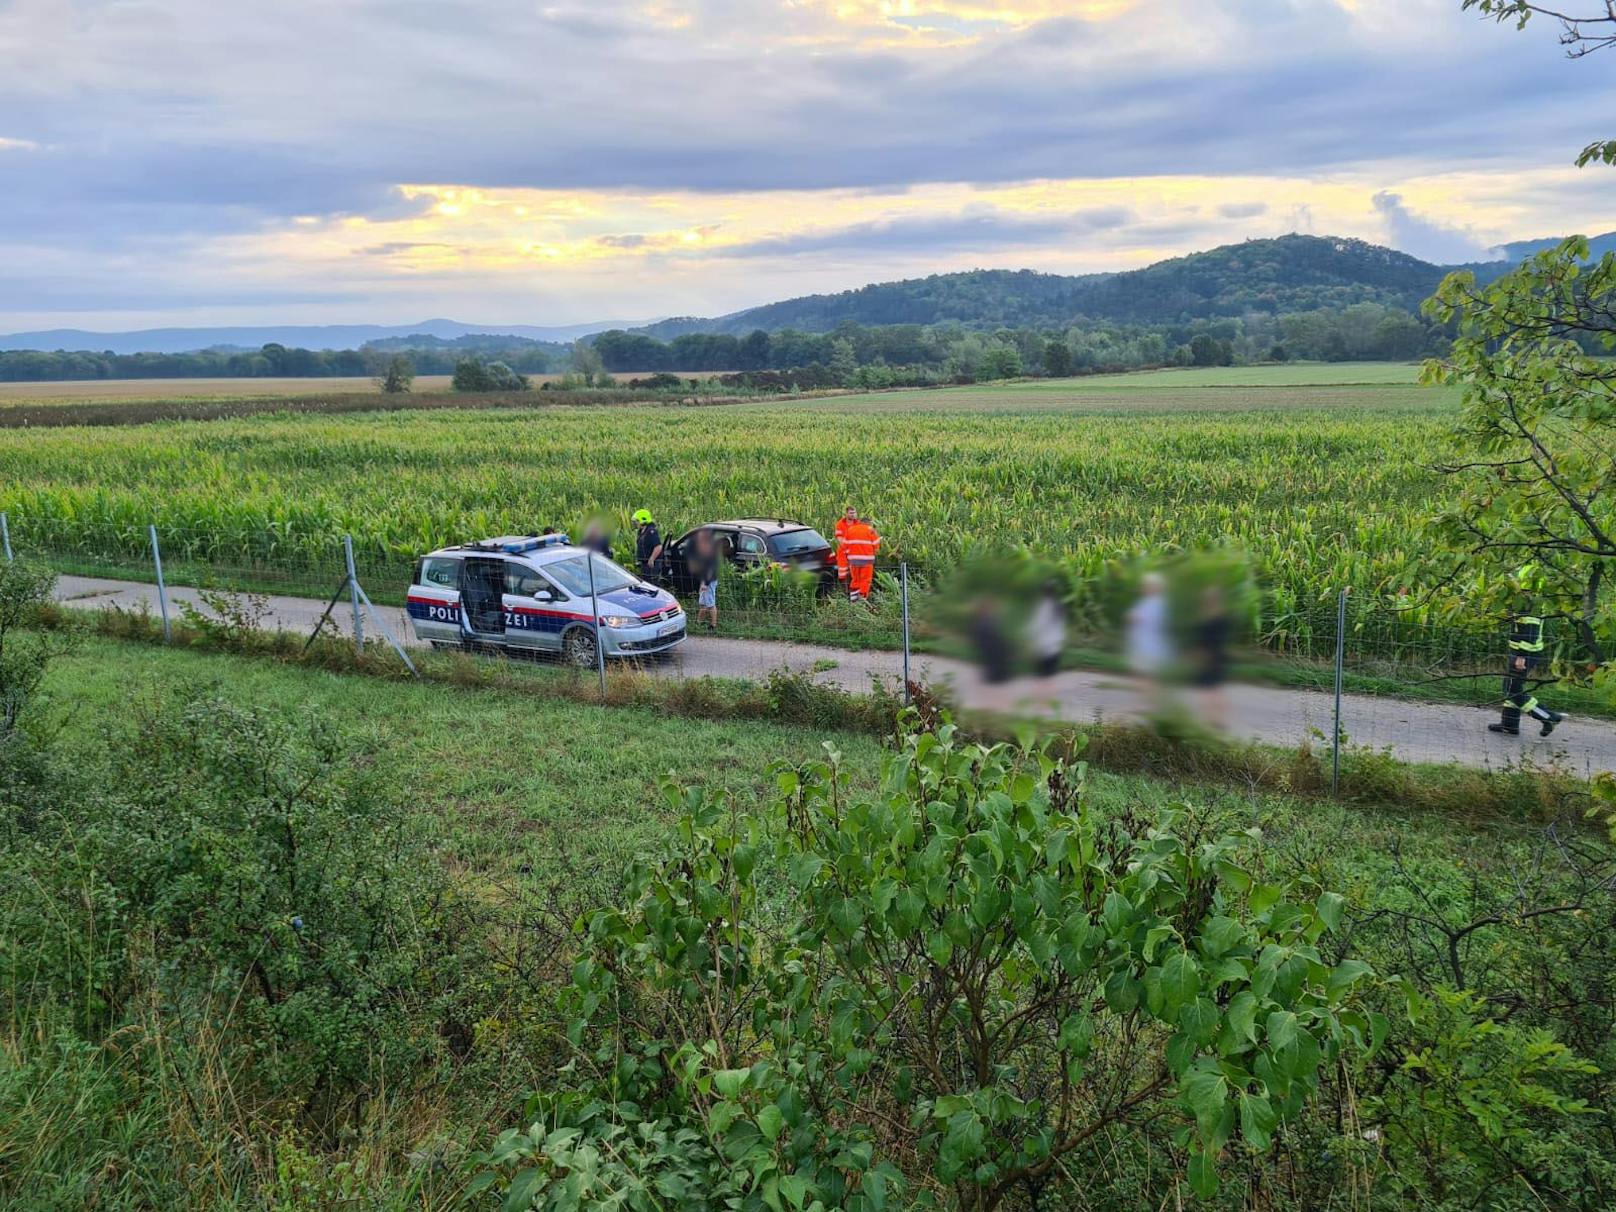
x: 748, y: 543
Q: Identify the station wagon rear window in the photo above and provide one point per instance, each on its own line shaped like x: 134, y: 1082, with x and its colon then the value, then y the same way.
x: 789, y: 542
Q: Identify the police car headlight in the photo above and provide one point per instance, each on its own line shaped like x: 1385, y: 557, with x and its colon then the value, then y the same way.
x: 618, y: 620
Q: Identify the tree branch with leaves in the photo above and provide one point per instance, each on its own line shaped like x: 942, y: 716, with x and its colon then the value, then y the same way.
x: 1536, y: 471
x: 1581, y: 33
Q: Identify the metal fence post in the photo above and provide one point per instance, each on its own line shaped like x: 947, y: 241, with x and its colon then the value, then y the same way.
x: 162, y: 590
x: 353, y: 594
x: 594, y: 613
x: 387, y: 632
x: 1340, y: 655
x: 5, y: 536
x: 903, y: 584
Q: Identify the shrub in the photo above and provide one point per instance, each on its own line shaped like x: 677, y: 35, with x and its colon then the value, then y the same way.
x: 399, y: 376
x: 27, y: 647
x: 661, y: 381
x: 25, y: 650
x: 473, y: 374
x: 244, y: 874
x: 976, y: 982
x: 1479, y: 1113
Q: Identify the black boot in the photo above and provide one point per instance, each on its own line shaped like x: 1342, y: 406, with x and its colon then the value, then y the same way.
x: 1505, y: 729
x: 1549, y: 724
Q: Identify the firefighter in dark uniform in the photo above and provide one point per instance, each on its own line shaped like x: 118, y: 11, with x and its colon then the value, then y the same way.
x: 1525, y: 654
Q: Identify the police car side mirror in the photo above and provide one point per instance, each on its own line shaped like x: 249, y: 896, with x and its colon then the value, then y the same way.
x: 543, y: 595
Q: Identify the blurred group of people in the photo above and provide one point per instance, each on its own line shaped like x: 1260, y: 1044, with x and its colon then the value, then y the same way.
x: 1172, y: 636
x: 993, y: 634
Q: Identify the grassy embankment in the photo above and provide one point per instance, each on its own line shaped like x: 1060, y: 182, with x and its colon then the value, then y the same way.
x: 525, y: 797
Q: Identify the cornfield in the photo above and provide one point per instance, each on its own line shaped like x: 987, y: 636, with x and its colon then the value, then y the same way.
x: 1319, y: 487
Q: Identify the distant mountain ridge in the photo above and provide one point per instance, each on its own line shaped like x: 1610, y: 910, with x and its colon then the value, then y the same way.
x: 1283, y: 274
x: 1598, y: 246
x: 303, y: 336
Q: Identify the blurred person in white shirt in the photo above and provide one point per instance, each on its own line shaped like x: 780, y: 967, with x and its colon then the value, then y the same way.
x: 1046, y: 631
x: 1150, y: 648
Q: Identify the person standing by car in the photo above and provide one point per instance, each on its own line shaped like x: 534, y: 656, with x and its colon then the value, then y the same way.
x: 597, y: 538
x: 704, y: 564
x: 855, y: 556
x: 648, y: 546
x: 849, y: 517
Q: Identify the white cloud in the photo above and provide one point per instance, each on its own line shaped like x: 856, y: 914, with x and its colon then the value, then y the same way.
x: 170, y: 147
x: 1429, y: 239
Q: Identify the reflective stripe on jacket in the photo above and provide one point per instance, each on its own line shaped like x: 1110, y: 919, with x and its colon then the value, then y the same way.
x: 1527, y: 634
x: 858, y: 544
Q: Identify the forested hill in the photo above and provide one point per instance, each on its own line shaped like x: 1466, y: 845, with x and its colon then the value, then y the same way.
x: 983, y: 298
x: 1292, y: 273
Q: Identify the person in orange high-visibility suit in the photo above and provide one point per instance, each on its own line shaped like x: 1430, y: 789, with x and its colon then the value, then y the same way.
x: 842, y: 523
x: 855, y: 557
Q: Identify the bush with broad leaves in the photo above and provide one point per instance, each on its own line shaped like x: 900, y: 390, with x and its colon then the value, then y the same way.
x: 954, y: 991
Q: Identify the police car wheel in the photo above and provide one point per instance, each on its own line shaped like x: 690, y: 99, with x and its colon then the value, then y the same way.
x: 579, y: 647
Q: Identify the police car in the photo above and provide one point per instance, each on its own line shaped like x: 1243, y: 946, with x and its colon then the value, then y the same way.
x: 531, y: 594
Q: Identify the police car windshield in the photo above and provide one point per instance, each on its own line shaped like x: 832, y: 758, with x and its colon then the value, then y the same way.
x: 789, y: 542
x: 573, y: 575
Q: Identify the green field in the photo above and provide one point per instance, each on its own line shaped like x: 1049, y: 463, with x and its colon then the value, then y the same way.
x: 1321, y: 474
x: 1288, y: 374
x: 517, y: 800
x: 514, y: 779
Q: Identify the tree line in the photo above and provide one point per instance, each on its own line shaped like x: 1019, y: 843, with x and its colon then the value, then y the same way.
x: 273, y: 361
x: 1360, y: 332
x: 852, y: 355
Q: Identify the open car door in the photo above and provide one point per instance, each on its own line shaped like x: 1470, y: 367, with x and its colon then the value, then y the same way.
x: 482, y: 599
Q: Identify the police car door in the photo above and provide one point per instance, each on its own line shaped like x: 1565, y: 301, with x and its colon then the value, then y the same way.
x: 533, y: 620
x: 434, y: 600
x: 482, y: 599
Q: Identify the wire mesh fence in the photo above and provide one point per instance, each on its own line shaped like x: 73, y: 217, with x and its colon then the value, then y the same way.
x: 254, y: 563
x: 1359, y: 674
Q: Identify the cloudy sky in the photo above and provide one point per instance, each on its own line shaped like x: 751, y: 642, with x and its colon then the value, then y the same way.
x: 311, y: 161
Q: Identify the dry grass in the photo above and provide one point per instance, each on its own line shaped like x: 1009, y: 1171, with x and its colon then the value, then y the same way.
x: 141, y: 391
x: 112, y: 391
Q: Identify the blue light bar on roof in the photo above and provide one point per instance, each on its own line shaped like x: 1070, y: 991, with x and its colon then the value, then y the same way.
x: 534, y: 542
